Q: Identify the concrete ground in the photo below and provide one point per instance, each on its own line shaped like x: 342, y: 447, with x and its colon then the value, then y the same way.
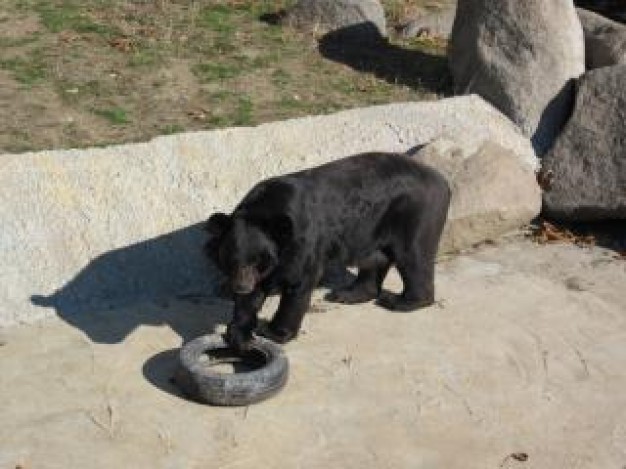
x: 521, y: 364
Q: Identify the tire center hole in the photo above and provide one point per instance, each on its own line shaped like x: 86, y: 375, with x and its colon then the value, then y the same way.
x: 226, y: 361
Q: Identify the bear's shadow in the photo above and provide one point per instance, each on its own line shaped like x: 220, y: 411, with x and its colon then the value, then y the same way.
x: 163, y: 280
x: 166, y: 280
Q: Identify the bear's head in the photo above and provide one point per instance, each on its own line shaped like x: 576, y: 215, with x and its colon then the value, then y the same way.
x: 242, y: 250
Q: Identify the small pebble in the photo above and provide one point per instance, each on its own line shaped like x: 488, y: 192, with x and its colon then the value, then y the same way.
x: 575, y: 284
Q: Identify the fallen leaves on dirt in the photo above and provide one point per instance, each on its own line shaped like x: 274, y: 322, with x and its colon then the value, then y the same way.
x: 549, y: 233
x: 68, y: 37
x: 123, y: 44
x: 545, y: 178
x: 198, y: 114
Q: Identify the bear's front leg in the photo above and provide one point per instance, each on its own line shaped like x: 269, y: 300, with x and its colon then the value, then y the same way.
x: 239, y: 330
x: 294, y: 303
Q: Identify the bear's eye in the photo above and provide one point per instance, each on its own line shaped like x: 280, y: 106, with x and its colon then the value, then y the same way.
x: 264, y: 262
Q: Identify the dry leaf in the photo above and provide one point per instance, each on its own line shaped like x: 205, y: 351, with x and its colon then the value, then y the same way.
x: 68, y: 36
x: 123, y: 44
x: 549, y: 233
x: 198, y: 114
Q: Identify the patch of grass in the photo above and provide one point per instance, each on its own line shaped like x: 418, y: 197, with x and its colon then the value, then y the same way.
x: 6, y: 42
x: 398, y: 10
x: 220, y: 22
x: 292, y: 103
x: 95, y: 88
x: 69, y: 15
x: 74, y: 93
x: 18, y: 141
x: 72, y: 132
x: 144, y: 57
x: 170, y: 129
x: 217, y: 18
x: 19, y: 147
x: 27, y: 70
x: 428, y: 44
x: 219, y: 97
x: 229, y: 108
x: 209, y: 72
x: 280, y: 77
x: 274, y: 34
x: 115, y: 115
x: 243, y: 113
x: 191, y: 65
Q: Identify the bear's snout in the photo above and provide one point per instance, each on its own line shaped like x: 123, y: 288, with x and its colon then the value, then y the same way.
x: 245, y: 280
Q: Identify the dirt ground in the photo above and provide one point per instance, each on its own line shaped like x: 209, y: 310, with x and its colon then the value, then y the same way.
x: 83, y: 73
x: 521, y: 364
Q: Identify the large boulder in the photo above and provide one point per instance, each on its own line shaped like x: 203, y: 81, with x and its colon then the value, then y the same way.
x: 586, y: 170
x: 332, y: 15
x: 431, y: 23
x: 605, y: 40
x: 493, y: 191
x: 615, y: 9
x: 522, y: 57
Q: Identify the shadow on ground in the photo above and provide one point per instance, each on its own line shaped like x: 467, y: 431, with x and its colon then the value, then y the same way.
x: 615, y: 9
x: 152, y: 282
x: 609, y: 234
x: 362, y: 47
x: 165, y: 280
x: 160, y: 371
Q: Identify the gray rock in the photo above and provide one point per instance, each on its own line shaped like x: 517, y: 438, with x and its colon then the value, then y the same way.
x: 614, y: 9
x: 493, y: 192
x: 605, y: 40
x: 587, y: 166
x: 434, y: 23
x: 332, y: 15
x: 522, y: 57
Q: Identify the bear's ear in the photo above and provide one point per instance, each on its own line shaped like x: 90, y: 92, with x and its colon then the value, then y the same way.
x: 218, y: 224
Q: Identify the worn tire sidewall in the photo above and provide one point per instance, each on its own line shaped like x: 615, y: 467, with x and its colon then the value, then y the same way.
x: 231, y: 389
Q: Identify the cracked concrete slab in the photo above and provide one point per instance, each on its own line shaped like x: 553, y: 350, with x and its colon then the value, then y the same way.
x: 523, y: 353
x: 522, y: 356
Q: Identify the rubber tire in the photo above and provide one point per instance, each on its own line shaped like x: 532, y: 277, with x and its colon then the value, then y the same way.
x: 238, y: 389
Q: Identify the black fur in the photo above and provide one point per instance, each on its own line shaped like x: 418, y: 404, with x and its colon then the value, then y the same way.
x: 372, y: 211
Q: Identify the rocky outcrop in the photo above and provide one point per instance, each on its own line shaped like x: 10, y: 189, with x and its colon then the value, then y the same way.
x: 332, y: 15
x: 614, y: 9
x: 522, y: 57
x: 431, y: 23
x: 585, y: 172
x: 605, y: 40
x: 493, y: 192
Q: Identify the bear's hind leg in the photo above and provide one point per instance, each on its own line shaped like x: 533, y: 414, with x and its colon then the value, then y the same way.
x: 368, y: 284
x: 419, y: 289
x: 416, y: 262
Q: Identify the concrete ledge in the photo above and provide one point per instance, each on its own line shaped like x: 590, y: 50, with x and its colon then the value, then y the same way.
x: 98, y: 227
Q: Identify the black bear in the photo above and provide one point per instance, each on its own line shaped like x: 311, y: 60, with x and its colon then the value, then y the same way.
x: 372, y: 211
